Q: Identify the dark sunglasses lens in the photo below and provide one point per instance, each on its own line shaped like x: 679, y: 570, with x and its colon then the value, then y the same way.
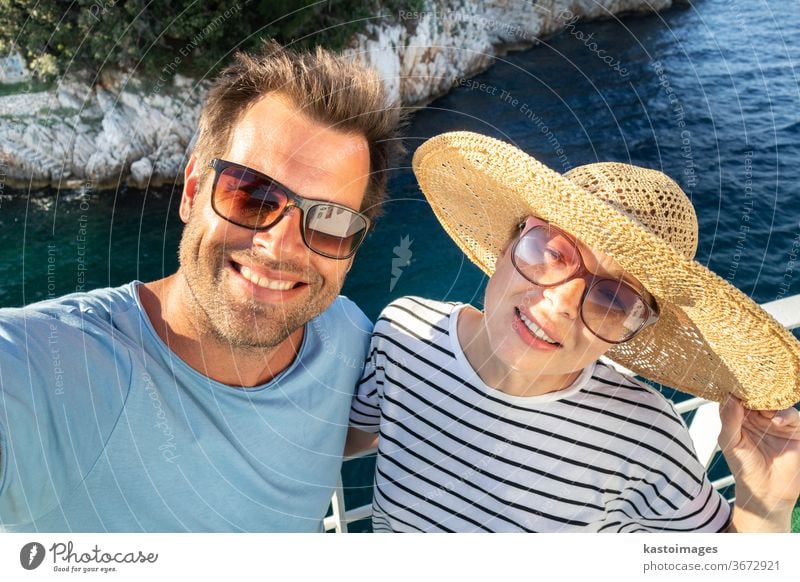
x: 334, y: 231
x: 614, y: 311
x: 247, y: 199
x: 545, y: 256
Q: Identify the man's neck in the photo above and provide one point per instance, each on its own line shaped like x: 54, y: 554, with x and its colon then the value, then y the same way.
x: 177, y: 322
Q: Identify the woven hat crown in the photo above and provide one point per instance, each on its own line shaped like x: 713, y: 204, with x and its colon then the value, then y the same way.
x: 648, y: 197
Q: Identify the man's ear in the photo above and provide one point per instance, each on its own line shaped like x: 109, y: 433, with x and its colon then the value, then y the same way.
x: 191, y: 179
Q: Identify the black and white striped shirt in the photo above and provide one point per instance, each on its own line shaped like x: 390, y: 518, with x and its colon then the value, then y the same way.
x: 605, y: 454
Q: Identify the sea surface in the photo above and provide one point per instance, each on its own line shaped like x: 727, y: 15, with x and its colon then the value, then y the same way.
x: 709, y: 95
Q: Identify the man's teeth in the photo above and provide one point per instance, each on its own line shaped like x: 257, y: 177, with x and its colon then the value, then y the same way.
x: 248, y: 274
x: 536, y: 330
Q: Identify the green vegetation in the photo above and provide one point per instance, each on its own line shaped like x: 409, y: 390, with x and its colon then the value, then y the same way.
x: 796, y: 518
x: 173, y: 36
x: 26, y: 87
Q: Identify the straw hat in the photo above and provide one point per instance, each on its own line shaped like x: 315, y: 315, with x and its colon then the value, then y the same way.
x: 711, y: 339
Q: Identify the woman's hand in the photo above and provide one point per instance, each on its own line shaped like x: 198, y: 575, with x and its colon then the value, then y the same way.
x: 763, y: 452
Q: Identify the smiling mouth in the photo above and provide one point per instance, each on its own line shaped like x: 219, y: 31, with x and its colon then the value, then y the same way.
x: 535, y: 330
x: 265, y: 282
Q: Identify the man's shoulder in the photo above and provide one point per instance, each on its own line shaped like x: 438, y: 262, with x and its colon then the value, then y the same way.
x: 344, y: 316
x: 80, y: 312
x: 105, y: 300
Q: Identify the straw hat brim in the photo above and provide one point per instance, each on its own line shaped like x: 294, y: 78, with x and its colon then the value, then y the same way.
x: 710, y: 339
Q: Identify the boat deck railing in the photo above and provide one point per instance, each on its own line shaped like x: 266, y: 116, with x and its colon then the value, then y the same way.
x: 701, y: 416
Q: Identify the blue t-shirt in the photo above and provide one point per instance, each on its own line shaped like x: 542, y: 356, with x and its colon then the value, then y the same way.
x: 104, y: 428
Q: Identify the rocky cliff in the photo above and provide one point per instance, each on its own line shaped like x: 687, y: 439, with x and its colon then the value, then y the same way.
x: 130, y: 131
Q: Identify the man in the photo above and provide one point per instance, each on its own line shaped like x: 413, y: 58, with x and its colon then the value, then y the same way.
x: 214, y: 399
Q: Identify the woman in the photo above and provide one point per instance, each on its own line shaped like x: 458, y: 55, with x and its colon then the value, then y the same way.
x: 505, y: 420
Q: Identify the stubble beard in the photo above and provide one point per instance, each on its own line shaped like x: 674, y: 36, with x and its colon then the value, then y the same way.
x: 240, y: 321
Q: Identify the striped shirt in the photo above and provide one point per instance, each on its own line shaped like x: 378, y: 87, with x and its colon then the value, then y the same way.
x: 606, y: 454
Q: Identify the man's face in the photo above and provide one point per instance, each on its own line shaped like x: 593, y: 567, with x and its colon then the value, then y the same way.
x: 258, y: 287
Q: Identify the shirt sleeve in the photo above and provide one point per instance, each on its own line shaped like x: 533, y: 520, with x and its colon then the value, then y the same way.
x: 365, y: 411
x: 676, y: 495
x: 706, y: 511
x: 61, y: 390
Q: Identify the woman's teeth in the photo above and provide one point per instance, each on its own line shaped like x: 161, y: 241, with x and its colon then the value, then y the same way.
x: 536, y: 330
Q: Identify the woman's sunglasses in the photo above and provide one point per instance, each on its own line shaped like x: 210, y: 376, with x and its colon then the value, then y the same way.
x: 612, y: 309
x: 251, y: 199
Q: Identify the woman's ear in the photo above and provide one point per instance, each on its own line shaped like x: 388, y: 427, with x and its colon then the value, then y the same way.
x: 504, y: 249
x: 512, y: 237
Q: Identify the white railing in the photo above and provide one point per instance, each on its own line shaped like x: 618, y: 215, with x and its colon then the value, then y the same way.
x: 704, y: 428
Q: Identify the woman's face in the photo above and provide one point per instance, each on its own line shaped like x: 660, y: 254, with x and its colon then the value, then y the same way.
x: 539, y: 330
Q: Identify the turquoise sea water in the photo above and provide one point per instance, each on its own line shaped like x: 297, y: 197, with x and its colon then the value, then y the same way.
x: 709, y: 95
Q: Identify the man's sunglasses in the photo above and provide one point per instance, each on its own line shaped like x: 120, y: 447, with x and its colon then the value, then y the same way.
x: 251, y: 199
x: 612, y: 309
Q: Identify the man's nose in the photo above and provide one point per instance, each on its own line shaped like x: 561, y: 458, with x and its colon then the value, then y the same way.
x: 566, y: 297
x: 283, y: 241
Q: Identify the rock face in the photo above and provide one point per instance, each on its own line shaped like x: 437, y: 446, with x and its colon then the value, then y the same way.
x: 122, y: 132
x: 98, y: 137
x: 422, y: 54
